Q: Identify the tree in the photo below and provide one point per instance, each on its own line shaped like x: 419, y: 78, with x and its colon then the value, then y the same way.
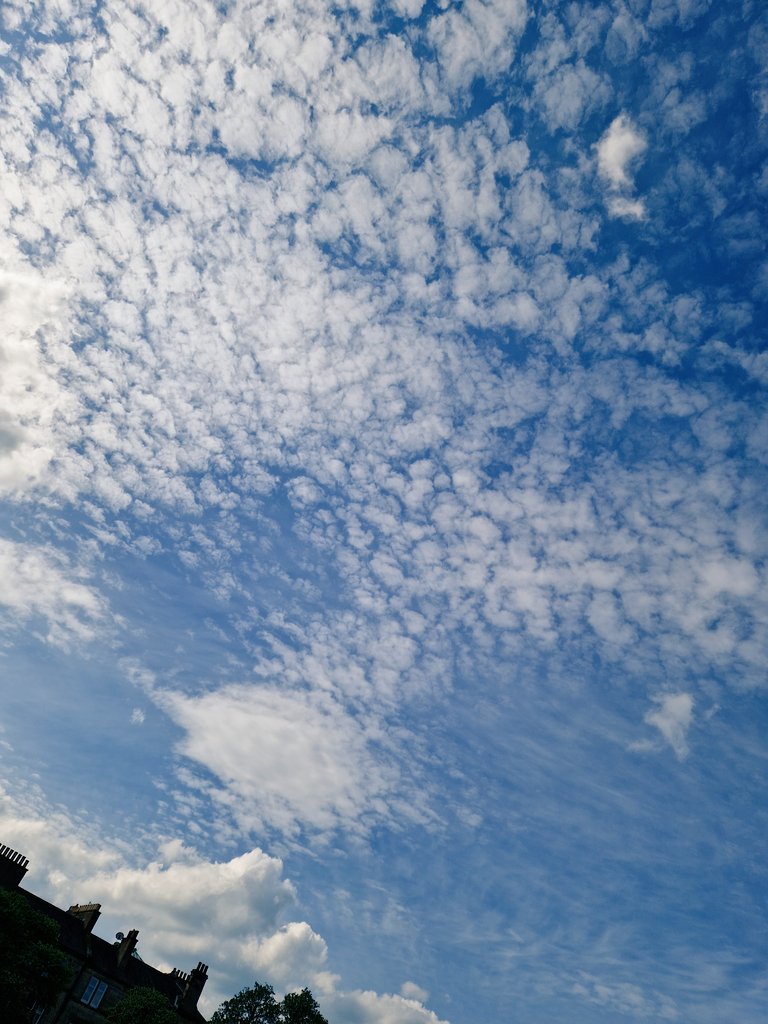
x: 301, y: 1008
x: 32, y: 968
x: 254, y: 1005
x: 257, y: 1005
x: 142, y: 1006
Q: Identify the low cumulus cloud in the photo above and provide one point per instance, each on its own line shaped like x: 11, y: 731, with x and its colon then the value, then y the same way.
x: 294, y: 956
x: 233, y: 914
x: 365, y: 1007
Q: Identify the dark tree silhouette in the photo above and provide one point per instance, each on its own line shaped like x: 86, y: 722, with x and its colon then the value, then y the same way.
x: 301, y: 1008
x: 254, y: 1005
x: 257, y: 1005
x: 142, y: 1006
x: 32, y: 968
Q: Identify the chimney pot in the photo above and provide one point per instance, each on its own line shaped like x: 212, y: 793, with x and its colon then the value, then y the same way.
x: 13, y: 867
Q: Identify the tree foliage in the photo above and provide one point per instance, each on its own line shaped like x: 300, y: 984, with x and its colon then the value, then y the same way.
x: 142, y: 1006
x: 257, y: 1005
x: 32, y: 968
x: 254, y: 1005
x: 301, y: 1008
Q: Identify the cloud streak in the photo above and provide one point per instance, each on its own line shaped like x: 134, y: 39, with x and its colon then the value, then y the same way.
x: 36, y: 583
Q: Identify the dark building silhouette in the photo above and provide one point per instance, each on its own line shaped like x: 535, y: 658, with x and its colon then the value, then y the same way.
x: 102, y: 971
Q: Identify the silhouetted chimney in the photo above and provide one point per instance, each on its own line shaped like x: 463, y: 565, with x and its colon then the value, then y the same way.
x: 196, y: 980
x: 88, y: 913
x: 13, y: 867
x: 126, y: 946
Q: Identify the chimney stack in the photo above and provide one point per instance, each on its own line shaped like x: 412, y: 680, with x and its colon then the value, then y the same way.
x: 194, y: 986
x: 88, y: 913
x: 126, y: 946
x: 13, y: 867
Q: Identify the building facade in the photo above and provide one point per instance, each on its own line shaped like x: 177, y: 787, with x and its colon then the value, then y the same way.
x: 101, y: 971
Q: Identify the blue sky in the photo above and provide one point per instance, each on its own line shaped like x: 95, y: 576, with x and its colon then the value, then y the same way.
x: 383, y: 448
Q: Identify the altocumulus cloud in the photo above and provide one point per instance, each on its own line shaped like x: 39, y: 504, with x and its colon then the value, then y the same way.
x: 354, y: 363
x: 30, y: 396
x: 621, y: 146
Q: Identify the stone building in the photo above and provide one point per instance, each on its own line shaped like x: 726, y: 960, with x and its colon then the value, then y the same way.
x: 101, y: 971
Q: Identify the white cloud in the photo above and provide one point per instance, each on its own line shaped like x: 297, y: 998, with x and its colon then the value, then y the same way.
x: 185, y: 907
x: 626, y: 998
x: 608, y: 620
x: 348, y: 138
x: 29, y: 395
x: 755, y: 364
x: 286, y: 759
x: 229, y: 914
x: 293, y: 276
x: 673, y: 718
x: 293, y: 957
x: 408, y: 8
x: 37, y: 581
x: 729, y: 576
x: 620, y: 145
x: 410, y: 990
x: 569, y: 93
x: 370, y: 1008
x: 480, y: 38
x: 630, y: 209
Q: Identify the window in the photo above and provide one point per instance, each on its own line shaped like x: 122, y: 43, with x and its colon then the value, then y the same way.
x: 94, y: 992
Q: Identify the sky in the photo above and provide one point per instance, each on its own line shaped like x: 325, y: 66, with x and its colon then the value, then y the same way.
x: 383, y: 474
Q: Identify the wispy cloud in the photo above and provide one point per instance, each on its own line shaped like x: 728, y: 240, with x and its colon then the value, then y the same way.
x: 673, y: 718
x: 37, y: 586
x: 286, y: 760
